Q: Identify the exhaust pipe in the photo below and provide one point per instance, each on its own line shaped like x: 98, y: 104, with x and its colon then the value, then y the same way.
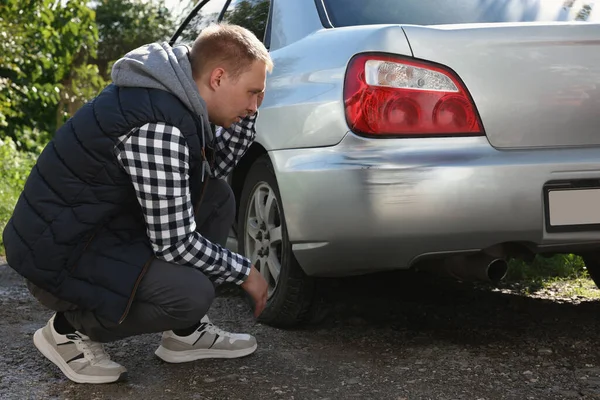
x: 477, y: 267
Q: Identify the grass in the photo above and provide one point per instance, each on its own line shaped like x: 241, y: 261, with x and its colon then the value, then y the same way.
x: 8, y: 198
x: 562, y: 266
x: 562, y: 274
x: 577, y: 288
x: 14, y: 169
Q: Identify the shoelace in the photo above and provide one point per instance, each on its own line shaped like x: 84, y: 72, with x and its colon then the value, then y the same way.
x: 210, y: 328
x: 93, y: 351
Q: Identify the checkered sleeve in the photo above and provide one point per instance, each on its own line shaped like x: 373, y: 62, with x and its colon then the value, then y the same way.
x: 231, y: 144
x: 156, y: 157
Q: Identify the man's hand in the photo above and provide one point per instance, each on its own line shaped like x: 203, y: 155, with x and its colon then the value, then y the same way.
x: 256, y: 286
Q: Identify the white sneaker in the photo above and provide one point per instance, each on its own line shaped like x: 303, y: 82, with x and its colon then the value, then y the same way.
x: 79, y: 358
x: 207, y: 341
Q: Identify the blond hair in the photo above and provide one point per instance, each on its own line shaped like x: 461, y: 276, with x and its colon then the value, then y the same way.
x: 233, y: 47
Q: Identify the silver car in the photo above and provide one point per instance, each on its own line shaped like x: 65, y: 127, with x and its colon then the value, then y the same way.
x: 448, y: 134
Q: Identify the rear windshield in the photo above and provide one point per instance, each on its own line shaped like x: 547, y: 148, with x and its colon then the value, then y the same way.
x: 438, y: 12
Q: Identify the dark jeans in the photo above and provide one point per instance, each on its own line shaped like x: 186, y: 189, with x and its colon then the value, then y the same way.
x: 170, y: 296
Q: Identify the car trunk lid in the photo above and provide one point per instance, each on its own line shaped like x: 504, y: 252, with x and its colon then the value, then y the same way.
x: 534, y: 84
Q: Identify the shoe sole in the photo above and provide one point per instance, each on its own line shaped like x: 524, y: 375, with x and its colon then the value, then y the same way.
x: 51, y: 354
x: 176, y: 357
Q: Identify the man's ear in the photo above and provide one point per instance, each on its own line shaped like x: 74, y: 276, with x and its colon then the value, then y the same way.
x: 216, y: 76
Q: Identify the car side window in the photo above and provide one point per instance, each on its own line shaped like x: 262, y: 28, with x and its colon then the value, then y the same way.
x: 206, y: 16
x: 251, y: 14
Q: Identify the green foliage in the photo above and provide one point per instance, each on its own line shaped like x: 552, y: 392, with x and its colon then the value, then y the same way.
x: 124, y: 25
x: 49, y: 66
x: 49, y: 63
x: 14, y: 170
x: 44, y: 48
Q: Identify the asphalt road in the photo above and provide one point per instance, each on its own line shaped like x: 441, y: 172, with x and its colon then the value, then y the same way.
x: 386, y: 337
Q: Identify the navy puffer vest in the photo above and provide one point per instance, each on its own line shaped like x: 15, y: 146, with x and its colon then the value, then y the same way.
x: 77, y: 230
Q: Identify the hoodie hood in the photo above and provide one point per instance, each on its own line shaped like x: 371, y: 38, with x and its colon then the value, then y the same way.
x: 160, y: 66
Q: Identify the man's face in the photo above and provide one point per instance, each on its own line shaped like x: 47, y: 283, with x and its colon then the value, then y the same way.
x: 237, y: 98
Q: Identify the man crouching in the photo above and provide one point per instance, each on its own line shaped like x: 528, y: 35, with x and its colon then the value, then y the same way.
x: 122, y: 223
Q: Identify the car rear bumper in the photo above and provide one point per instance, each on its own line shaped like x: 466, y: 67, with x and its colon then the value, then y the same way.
x: 368, y: 205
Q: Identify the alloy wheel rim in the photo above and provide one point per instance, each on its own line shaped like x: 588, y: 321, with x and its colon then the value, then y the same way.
x: 263, y: 230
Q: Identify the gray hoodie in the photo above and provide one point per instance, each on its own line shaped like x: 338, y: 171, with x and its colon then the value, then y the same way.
x: 160, y: 66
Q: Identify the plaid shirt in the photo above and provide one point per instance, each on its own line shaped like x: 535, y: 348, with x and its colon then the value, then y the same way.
x: 156, y: 156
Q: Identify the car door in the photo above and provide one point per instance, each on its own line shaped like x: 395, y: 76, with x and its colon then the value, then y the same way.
x: 290, y: 291
x: 254, y: 15
x: 251, y: 14
x: 204, y: 13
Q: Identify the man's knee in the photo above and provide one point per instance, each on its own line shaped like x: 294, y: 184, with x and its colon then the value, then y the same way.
x: 171, y: 296
x: 202, y: 299
x: 197, y: 296
x: 224, y: 197
x: 216, y: 211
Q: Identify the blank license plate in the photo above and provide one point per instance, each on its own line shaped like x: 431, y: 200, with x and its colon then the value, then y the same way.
x: 574, y: 207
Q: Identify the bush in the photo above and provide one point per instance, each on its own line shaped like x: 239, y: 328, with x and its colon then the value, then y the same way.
x: 45, y: 52
x: 14, y: 169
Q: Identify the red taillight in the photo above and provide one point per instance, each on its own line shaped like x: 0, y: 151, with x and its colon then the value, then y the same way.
x: 387, y: 95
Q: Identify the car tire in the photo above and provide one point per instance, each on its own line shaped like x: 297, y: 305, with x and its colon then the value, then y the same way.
x: 291, y: 295
x: 592, y: 264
